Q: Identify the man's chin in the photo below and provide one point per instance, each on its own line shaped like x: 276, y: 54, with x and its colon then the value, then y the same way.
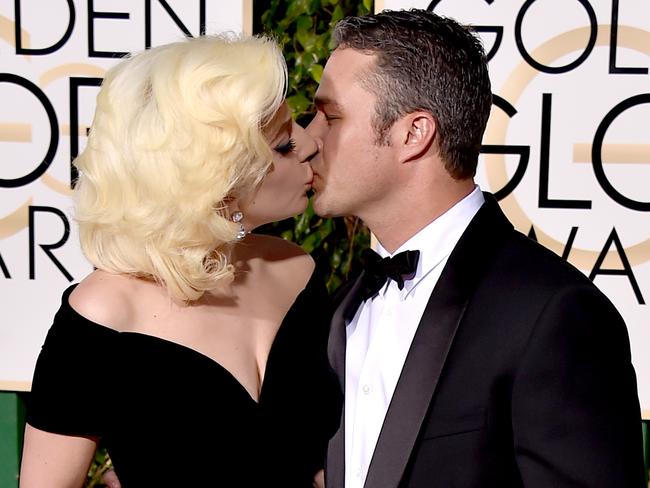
x: 320, y: 207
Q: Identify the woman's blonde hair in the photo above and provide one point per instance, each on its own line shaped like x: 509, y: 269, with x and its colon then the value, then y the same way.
x: 178, y: 130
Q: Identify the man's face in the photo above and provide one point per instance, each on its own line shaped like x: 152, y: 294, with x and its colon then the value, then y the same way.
x: 351, y: 172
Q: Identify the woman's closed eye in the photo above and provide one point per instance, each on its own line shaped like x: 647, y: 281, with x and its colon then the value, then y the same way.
x: 286, y: 147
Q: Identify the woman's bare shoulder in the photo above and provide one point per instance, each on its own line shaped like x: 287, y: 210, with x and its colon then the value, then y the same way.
x: 284, y: 261
x: 105, y: 298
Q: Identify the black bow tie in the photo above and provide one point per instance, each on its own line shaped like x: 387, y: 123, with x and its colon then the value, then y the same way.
x: 400, y: 267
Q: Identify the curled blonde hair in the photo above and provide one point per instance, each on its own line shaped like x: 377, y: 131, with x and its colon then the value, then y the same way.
x: 178, y: 129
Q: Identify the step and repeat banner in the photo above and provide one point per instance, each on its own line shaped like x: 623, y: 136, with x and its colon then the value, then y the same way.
x: 567, y: 147
x: 53, y: 56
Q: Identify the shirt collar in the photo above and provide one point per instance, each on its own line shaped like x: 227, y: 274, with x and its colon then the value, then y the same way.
x: 437, y: 239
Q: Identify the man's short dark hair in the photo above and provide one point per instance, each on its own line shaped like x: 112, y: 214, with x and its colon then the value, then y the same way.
x: 425, y: 62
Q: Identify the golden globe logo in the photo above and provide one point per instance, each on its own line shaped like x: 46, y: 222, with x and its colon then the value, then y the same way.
x: 598, y: 152
x: 560, y: 103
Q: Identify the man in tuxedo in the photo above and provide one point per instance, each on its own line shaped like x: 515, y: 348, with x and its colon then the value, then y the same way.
x: 469, y: 355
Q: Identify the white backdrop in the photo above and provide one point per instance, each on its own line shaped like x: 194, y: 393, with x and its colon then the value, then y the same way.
x: 53, y: 54
x: 571, y: 77
x: 573, y: 91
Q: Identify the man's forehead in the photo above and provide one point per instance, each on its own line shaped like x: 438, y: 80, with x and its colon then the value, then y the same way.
x: 348, y: 63
x: 346, y: 54
x: 345, y: 67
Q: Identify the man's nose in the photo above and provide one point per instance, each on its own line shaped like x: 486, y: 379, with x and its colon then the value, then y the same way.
x: 312, y: 147
x: 314, y: 130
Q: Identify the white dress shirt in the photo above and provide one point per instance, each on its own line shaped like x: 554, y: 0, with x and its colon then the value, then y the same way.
x: 380, y: 335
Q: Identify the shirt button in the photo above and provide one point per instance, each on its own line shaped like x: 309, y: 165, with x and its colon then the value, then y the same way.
x: 366, y: 389
x: 358, y: 473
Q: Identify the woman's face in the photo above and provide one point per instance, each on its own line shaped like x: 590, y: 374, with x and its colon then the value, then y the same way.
x: 283, y: 192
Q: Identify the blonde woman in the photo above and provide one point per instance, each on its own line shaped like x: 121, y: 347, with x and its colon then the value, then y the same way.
x: 212, y: 339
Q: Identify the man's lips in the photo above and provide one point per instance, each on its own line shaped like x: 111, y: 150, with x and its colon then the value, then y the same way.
x: 313, y: 181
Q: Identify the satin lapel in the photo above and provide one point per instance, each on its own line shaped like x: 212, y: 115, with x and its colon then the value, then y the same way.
x: 336, y: 343
x: 431, y: 344
x: 335, y: 469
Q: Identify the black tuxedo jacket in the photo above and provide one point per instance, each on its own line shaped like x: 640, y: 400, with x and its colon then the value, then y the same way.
x: 519, y: 374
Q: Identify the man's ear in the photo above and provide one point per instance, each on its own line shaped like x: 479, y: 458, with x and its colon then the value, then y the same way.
x: 417, y: 134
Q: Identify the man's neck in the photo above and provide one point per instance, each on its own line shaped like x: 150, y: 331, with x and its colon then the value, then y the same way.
x: 393, y: 229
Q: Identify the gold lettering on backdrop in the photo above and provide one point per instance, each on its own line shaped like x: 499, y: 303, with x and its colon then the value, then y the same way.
x: 614, y: 153
x: 7, y: 27
x: 15, y: 132
x: 69, y: 69
x: 22, y: 132
x: 56, y: 185
x: 56, y: 73
x: 15, y: 385
x: 513, y: 88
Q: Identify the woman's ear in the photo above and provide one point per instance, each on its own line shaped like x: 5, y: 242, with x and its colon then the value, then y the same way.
x: 418, y: 132
x: 229, y: 206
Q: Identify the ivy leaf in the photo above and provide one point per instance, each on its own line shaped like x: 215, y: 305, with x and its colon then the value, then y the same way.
x: 304, y: 23
x: 336, y: 15
x: 303, y: 27
x: 311, y: 242
x: 297, y: 7
x: 335, y: 259
x: 302, y: 225
x: 316, y: 72
x: 298, y: 103
x: 333, y: 282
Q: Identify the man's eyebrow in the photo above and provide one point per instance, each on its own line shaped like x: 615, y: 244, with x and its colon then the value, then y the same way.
x: 321, y: 101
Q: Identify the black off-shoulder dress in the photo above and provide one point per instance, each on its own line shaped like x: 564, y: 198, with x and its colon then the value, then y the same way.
x: 171, y: 416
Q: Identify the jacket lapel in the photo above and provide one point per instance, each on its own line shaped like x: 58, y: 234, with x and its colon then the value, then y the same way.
x: 335, y: 468
x: 344, y: 312
x: 431, y: 344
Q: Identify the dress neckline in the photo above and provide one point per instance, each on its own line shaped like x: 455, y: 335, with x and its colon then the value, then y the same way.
x: 196, y: 353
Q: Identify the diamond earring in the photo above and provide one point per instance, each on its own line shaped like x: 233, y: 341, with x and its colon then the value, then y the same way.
x: 237, y: 217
